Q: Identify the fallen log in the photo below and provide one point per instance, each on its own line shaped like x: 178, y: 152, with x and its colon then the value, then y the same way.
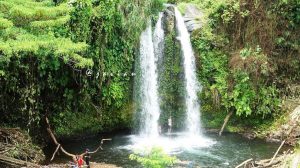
x: 12, y: 162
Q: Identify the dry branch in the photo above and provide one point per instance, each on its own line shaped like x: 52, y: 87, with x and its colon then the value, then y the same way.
x: 100, y: 147
x: 244, y: 163
x: 268, y: 162
x: 63, y: 150
x: 277, y: 152
x: 55, y: 152
x: 56, y: 143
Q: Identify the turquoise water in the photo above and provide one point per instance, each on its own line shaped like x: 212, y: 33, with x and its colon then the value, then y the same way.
x: 227, y: 151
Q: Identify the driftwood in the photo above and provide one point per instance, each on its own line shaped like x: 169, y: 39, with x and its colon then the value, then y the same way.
x: 12, y: 162
x: 100, y: 147
x: 266, y: 162
x: 262, y: 163
x: 225, y: 122
x: 63, y: 150
x: 277, y: 152
x: 244, y: 163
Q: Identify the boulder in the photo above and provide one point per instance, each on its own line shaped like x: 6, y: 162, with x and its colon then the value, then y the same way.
x: 193, y: 17
x: 169, y: 20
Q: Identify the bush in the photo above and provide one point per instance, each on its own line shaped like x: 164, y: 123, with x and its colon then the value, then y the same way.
x: 155, y: 158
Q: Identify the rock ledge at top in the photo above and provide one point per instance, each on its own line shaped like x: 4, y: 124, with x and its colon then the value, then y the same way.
x: 193, y: 17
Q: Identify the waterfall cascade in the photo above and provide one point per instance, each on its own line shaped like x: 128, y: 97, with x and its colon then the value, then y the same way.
x: 150, y: 110
x: 158, y: 38
x: 151, y: 50
x: 191, y: 83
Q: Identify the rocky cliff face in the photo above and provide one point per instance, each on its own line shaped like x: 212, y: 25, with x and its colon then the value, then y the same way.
x: 170, y: 75
x: 193, y: 17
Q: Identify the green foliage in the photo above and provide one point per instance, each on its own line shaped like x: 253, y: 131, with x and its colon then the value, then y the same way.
x: 117, y: 25
x: 22, y: 13
x: 171, y: 93
x: 114, y: 93
x: 238, y: 83
x: 22, y: 20
x: 68, y: 123
x: 238, y: 69
x: 242, y: 94
x: 214, y: 72
x: 250, y: 71
x: 80, y: 19
x: 155, y: 158
x: 47, y: 47
x: 5, y: 23
x: 33, y: 56
x: 182, y: 7
x: 211, y: 117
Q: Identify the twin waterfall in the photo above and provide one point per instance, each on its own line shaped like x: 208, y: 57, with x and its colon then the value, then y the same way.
x: 151, y: 50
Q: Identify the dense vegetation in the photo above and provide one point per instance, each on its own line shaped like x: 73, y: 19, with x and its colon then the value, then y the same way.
x: 48, y: 47
x: 248, y: 53
x: 72, y: 61
x: 172, y: 93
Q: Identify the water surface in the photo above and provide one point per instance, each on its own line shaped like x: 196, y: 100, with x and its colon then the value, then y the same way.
x: 226, y: 151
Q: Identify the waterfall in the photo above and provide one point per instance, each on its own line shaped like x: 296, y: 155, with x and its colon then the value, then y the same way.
x: 147, y: 97
x: 191, y: 83
x: 150, y: 110
x: 158, y: 38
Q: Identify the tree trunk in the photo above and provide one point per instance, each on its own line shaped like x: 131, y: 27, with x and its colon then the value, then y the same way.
x: 225, y: 122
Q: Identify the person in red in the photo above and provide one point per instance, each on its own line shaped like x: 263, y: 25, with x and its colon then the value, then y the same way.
x: 80, y: 161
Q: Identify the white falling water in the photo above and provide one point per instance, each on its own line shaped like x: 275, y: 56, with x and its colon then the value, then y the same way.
x: 191, y: 82
x: 158, y: 38
x: 149, y: 99
x: 150, y: 51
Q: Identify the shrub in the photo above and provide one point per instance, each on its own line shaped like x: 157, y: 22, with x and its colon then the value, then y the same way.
x: 155, y: 158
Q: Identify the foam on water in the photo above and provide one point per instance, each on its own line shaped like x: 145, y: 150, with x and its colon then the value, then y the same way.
x: 170, y: 143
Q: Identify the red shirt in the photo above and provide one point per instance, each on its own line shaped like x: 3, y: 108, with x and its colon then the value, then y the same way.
x: 80, y: 162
